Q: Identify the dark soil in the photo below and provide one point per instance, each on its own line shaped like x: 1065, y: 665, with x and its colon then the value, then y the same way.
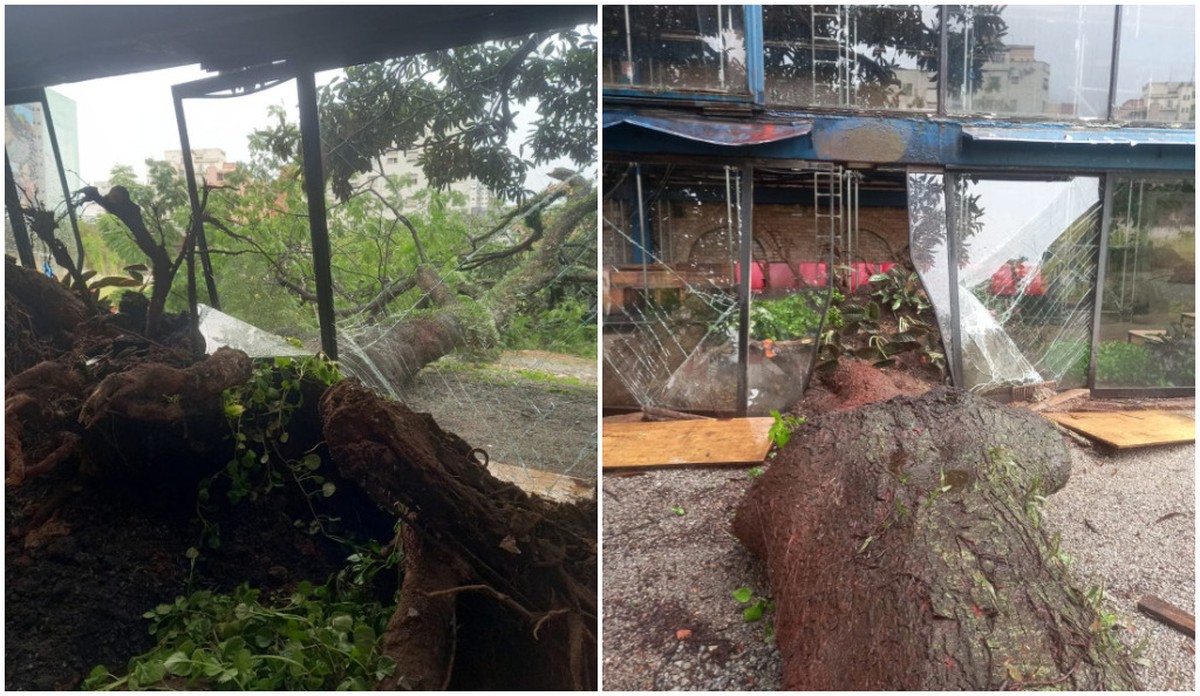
x: 100, y: 553
x: 77, y: 585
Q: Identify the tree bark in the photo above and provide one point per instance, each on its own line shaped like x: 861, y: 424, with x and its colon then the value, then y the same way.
x: 904, y: 549
x: 392, y: 356
x: 529, y: 561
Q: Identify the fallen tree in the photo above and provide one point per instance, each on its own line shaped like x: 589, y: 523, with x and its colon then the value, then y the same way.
x: 904, y: 549
x: 499, y: 587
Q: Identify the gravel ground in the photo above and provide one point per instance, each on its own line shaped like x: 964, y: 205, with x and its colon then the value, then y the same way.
x: 671, y: 564
x: 1129, y: 522
x: 666, y: 572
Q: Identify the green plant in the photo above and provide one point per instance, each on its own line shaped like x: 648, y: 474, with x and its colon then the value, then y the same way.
x: 310, y: 640
x: 755, y: 607
x: 900, y: 290
x: 678, y: 510
x: 783, y: 427
x: 785, y: 318
x: 1106, y: 624
x: 755, y: 472
x: 259, y: 413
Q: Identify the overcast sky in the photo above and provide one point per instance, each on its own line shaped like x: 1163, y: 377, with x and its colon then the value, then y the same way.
x: 128, y: 119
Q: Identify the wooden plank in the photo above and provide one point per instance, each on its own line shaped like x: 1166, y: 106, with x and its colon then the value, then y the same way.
x: 1146, y: 335
x: 1169, y: 614
x: 1060, y: 398
x: 558, y: 487
x: 727, y: 441
x: 1122, y: 429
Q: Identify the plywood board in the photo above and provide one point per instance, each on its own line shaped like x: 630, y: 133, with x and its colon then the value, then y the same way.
x: 1123, y: 429
x: 557, y: 487
x: 732, y: 440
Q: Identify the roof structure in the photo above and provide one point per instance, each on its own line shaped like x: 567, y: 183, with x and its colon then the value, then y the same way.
x: 47, y: 45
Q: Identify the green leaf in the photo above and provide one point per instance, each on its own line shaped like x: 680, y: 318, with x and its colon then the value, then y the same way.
x: 312, y: 462
x: 742, y: 594
x: 753, y: 612
x: 178, y: 664
x: 328, y: 489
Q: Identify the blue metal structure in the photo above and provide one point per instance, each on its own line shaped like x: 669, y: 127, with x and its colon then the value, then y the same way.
x: 737, y: 128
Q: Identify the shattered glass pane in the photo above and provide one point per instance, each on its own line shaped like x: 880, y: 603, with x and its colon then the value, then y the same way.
x: 35, y: 175
x: 675, y: 47
x: 866, y: 56
x: 927, y: 242
x: 1026, y: 279
x: 1030, y: 60
x: 476, y: 310
x: 671, y: 236
x: 790, y: 280
x: 1147, y: 322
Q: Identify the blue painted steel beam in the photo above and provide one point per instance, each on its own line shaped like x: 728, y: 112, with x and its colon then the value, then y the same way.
x: 922, y: 141
x: 755, y: 70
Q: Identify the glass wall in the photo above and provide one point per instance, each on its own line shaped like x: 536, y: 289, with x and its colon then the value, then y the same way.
x: 798, y: 221
x: 930, y: 253
x: 671, y: 312
x: 860, y: 56
x: 697, y: 48
x: 1049, y: 61
x: 1156, y: 80
x: 1026, y: 275
x: 1148, y: 318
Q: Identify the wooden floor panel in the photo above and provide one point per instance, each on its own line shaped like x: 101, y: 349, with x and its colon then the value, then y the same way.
x: 1124, y: 429
x: 734, y: 440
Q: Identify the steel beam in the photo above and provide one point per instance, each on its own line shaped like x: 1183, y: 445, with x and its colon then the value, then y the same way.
x: 314, y: 186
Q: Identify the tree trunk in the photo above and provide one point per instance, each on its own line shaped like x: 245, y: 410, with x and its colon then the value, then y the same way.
x: 904, y: 550
x: 526, y: 608
x: 391, y: 356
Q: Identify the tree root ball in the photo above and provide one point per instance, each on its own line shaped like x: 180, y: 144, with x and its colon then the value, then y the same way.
x: 904, y: 550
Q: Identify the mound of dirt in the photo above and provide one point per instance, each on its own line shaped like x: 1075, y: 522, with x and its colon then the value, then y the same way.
x: 853, y: 383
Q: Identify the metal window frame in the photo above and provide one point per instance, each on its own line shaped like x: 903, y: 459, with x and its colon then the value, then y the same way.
x: 247, y: 82
x: 1110, y: 192
x: 755, y: 90
x: 755, y: 57
x: 38, y: 96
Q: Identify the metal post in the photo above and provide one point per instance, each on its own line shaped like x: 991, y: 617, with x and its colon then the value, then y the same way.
x: 1113, y: 69
x: 952, y: 233
x: 1110, y: 181
x: 755, y: 67
x: 198, y: 239
x: 15, y: 216
x: 642, y: 240
x: 62, y: 179
x: 746, y: 218
x: 943, y: 85
x: 314, y: 186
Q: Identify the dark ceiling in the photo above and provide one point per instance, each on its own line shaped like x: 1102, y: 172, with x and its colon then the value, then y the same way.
x: 47, y: 45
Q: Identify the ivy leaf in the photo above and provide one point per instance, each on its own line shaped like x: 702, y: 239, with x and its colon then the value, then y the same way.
x: 742, y: 594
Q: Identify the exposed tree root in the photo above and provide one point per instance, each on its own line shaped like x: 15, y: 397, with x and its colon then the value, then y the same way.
x: 533, y: 559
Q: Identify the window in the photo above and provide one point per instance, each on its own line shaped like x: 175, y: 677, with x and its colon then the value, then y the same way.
x: 393, y: 160
x: 1064, y: 53
x: 675, y: 48
x: 1148, y: 319
x: 1158, y: 55
x: 861, y: 56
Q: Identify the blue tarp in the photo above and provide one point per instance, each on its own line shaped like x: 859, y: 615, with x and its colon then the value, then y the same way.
x: 712, y: 131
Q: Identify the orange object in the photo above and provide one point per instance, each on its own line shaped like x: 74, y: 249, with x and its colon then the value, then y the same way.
x: 683, y: 634
x: 768, y: 347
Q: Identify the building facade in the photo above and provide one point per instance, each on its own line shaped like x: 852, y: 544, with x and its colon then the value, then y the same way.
x: 758, y: 157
